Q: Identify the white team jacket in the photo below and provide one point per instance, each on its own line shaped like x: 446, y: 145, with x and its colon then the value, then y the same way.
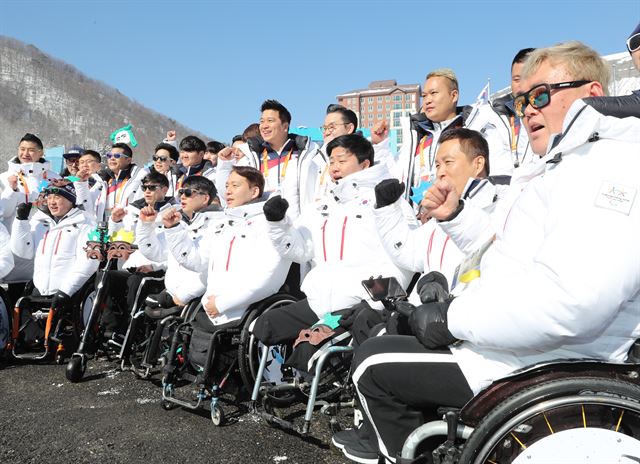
x: 60, y: 262
x: 562, y: 279
x: 242, y: 265
x: 179, y: 281
x: 338, y: 236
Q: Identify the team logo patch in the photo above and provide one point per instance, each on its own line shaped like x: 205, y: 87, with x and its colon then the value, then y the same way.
x: 616, y: 197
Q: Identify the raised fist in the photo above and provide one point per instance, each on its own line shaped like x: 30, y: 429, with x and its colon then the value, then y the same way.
x: 275, y: 208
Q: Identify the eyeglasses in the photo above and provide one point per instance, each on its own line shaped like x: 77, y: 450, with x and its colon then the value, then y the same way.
x: 331, y: 127
x: 633, y: 43
x: 540, y: 95
x: 117, y: 155
x: 72, y: 160
x: 149, y: 187
x: 160, y: 158
x: 187, y: 192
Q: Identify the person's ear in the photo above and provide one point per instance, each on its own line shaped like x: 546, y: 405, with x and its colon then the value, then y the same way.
x: 479, y: 163
x: 255, y: 192
x: 365, y: 164
x: 595, y: 89
x: 454, y: 95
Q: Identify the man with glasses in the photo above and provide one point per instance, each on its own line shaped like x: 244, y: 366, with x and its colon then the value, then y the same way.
x: 90, y: 184
x: 123, y: 179
x: 71, y: 160
x: 560, y: 278
x: 164, y: 161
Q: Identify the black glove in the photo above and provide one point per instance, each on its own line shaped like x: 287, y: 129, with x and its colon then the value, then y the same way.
x: 22, y: 211
x: 433, y: 287
x: 60, y: 300
x: 404, y: 307
x: 428, y: 322
x: 275, y: 208
x: 388, y: 191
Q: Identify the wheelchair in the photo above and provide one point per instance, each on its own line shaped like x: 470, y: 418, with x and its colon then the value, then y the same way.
x: 5, y: 321
x: 229, y: 351
x: 581, y: 410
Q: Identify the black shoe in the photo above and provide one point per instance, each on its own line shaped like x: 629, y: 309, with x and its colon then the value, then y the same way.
x: 362, y: 451
x: 348, y: 436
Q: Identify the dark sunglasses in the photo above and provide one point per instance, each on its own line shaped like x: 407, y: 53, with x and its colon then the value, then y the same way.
x: 150, y: 187
x: 540, y: 95
x: 116, y: 155
x: 187, y: 192
x: 633, y: 42
x: 160, y: 158
x: 52, y: 191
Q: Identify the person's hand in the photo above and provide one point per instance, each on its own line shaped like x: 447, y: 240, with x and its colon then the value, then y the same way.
x: 171, y: 136
x: 144, y: 269
x: 12, y: 180
x: 148, y: 214
x: 379, y: 132
x: 118, y: 213
x: 226, y: 154
x: 237, y: 153
x: 210, y: 307
x: 171, y: 218
x: 22, y: 211
x: 440, y: 201
x: 433, y: 287
x: 84, y: 173
x: 275, y: 208
x: 428, y: 322
x: 60, y: 300
x: 388, y: 191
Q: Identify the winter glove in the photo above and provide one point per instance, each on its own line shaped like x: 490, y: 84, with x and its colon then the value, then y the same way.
x: 60, y: 300
x: 404, y: 307
x: 275, y: 208
x: 433, y: 287
x: 388, y: 191
x: 22, y: 211
x: 428, y: 323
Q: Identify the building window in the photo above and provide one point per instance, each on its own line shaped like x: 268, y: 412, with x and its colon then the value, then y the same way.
x: 387, y: 98
x: 379, y: 99
x: 370, y: 99
x: 396, y: 123
x: 397, y: 98
x: 408, y: 105
x: 379, y: 107
x: 388, y: 107
x: 397, y: 106
x: 370, y: 107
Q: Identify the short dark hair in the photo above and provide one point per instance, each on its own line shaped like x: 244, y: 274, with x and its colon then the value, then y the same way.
x: 275, y: 105
x: 155, y: 177
x: 125, y: 147
x: 33, y: 139
x: 472, y: 143
x: 203, y: 184
x: 353, y: 143
x: 252, y: 130
x: 521, y: 55
x: 237, y: 138
x: 348, y: 116
x: 96, y: 156
x: 173, y: 152
x: 192, y: 143
x: 214, y: 146
x: 253, y: 176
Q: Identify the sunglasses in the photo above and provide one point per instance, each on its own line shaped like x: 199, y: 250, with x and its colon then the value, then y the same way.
x: 52, y: 191
x: 160, y: 158
x: 633, y: 43
x: 540, y: 95
x: 117, y: 155
x: 149, y: 187
x: 187, y: 192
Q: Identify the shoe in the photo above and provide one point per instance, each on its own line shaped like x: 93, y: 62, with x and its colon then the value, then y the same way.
x: 361, y: 451
x: 347, y: 436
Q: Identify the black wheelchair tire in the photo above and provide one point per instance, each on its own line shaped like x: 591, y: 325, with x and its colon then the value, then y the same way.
x: 487, y: 436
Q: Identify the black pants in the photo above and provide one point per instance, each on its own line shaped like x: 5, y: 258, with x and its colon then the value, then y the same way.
x: 282, y: 325
x: 400, y: 382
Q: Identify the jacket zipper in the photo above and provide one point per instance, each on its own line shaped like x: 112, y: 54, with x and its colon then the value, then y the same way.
x: 229, y: 254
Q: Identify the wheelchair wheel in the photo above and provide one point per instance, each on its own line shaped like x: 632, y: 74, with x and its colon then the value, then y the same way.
x: 5, y: 321
x: 217, y: 415
x: 580, y: 419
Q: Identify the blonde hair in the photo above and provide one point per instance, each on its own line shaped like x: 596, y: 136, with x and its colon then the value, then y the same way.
x: 447, y: 73
x: 579, y: 60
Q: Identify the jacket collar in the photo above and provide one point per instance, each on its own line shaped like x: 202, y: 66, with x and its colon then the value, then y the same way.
x: 74, y: 216
x: 141, y: 203
x: 247, y: 211
x: 192, y: 170
x: 355, y: 184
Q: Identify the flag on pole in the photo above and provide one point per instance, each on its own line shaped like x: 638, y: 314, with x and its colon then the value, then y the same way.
x: 124, y: 135
x: 483, y: 96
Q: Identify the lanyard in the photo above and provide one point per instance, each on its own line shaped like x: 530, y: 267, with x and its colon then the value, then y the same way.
x: 265, y: 164
x: 118, y: 187
x: 425, y: 143
x: 23, y: 181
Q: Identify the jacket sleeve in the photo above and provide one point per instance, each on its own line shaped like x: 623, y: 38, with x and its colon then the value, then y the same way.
x: 191, y: 255
x: 406, y: 246
x: 469, y: 229
x: 293, y: 242
x: 148, y: 243
x: 6, y: 257
x: 83, y: 267
x: 222, y: 174
x: 22, y: 238
x: 580, y: 275
x: 83, y: 197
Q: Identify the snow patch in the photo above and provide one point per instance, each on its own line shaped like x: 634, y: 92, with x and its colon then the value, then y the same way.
x: 112, y: 391
x: 146, y: 400
x: 279, y: 458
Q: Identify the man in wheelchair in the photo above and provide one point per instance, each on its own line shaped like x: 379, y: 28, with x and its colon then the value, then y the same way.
x: 55, y: 237
x: 547, y: 289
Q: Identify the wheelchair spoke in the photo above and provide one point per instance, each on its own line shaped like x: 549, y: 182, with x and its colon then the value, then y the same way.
x: 619, y: 420
x: 547, y: 421
x: 522, y: 445
x: 584, y: 417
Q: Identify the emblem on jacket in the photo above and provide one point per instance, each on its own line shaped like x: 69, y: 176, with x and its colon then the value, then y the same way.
x: 616, y: 197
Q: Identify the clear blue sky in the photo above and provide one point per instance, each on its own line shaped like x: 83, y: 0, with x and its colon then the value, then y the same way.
x: 209, y: 64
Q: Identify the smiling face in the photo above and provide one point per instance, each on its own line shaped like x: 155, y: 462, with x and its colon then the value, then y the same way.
x: 162, y: 161
x: 90, y: 163
x: 29, y: 152
x: 544, y: 122
x: 195, y: 202
x: 272, y: 129
x: 153, y: 193
x: 455, y: 166
x: 191, y: 158
x: 117, y: 164
x: 335, y: 126
x: 239, y: 192
x: 342, y: 163
x: 58, y: 205
x: 438, y: 99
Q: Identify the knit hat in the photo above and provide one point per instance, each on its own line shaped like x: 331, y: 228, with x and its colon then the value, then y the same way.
x: 67, y: 191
